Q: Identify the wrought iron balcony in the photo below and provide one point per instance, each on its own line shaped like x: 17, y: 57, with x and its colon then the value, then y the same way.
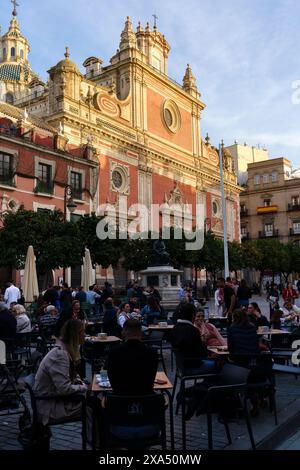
x: 294, y: 231
x: 245, y: 236
x: 293, y: 207
x: 45, y: 187
x: 263, y: 234
x: 7, y: 179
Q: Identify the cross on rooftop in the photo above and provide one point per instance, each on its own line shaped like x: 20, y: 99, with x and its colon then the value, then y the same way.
x: 15, y: 4
x: 155, y: 19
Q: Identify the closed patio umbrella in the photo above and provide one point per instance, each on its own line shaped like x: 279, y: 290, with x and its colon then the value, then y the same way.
x: 88, y: 274
x: 30, y: 283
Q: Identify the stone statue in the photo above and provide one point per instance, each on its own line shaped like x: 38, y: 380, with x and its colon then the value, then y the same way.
x: 160, y: 256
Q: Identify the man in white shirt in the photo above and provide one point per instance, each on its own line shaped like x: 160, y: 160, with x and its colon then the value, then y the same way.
x: 12, y: 294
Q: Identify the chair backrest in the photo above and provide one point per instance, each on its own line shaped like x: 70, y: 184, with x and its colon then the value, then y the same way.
x: 29, y: 382
x: 23, y: 340
x: 2, y: 353
x: 134, y: 411
x: 233, y: 374
x: 259, y: 365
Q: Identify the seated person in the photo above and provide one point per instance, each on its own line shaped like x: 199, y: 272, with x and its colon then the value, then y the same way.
x: 8, y: 324
x: 209, y: 333
x: 125, y: 314
x: 255, y: 316
x: 186, y: 339
x: 72, y: 313
x: 49, y: 318
x: 132, y: 366
x: 110, y: 319
x: 275, y: 321
x: 242, y: 337
x: 290, y: 313
x: 131, y: 369
x: 152, y: 311
x: 57, y: 376
x: 23, y: 322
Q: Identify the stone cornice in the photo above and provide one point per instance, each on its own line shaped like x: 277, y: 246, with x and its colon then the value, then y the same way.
x: 40, y: 148
x: 154, y: 155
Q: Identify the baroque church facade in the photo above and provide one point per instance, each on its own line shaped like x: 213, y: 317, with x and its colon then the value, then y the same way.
x: 140, y: 126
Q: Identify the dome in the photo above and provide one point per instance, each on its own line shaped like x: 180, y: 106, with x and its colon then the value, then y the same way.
x: 10, y: 72
x: 67, y: 64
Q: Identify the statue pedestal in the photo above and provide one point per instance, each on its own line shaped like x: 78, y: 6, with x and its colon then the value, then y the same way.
x: 167, y: 280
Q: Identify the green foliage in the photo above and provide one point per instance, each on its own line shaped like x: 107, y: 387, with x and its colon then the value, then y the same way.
x: 137, y: 254
x: 55, y: 241
x: 104, y: 252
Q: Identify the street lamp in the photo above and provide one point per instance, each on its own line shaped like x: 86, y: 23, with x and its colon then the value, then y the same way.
x: 226, y: 261
x: 68, y: 201
x: 71, y: 206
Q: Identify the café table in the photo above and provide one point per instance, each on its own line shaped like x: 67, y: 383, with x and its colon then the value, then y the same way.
x: 104, y: 340
x: 161, y: 384
x: 221, y: 352
x: 160, y: 327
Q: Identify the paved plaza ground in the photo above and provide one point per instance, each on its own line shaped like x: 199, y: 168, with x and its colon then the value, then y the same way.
x: 67, y: 437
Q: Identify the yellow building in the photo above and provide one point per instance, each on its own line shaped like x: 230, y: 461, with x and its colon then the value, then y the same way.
x: 243, y: 155
x: 270, y: 204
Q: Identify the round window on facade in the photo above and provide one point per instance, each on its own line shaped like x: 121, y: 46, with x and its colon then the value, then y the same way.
x: 171, y: 116
x: 117, y: 179
x: 215, y: 208
x: 168, y: 117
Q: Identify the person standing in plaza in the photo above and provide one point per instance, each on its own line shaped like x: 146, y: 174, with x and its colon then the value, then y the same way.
x: 243, y: 294
x: 11, y: 294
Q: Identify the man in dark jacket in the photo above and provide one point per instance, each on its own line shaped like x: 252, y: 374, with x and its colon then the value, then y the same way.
x: 132, y: 366
x: 187, y: 340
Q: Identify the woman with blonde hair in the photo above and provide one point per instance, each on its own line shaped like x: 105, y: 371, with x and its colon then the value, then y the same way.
x: 23, y: 322
x: 57, y: 376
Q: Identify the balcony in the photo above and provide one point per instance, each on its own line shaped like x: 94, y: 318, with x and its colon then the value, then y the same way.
x: 7, y: 179
x: 293, y: 207
x: 267, y: 209
x: 44, y: 187
x: 245, y: 236
x: 294, y: 231
x: 244, y: 213
x: 274, y: 234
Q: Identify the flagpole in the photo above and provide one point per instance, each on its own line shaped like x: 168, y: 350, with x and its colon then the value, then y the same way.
x: 224, y: 212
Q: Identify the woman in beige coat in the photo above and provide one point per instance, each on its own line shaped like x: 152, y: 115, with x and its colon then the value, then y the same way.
x: 57, y: 376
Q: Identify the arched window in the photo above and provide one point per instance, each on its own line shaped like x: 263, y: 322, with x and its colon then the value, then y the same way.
x: 9, y: 98
x: 22, y: 54
x: 13, y: 52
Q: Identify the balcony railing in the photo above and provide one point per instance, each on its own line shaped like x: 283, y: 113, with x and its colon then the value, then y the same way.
x: 44, y: 187
x: 263, y: 234
x: 77, y: 193
x: 293, y: 207
x: 244, y: 213
x: 245, y: 236
x: 7, y: 179
x: 267, y: 209
x: 294, y: 231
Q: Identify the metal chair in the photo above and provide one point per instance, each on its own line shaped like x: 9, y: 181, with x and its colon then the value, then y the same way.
x: 141, y: 416
x: 38, y: 428
x: 232, y: 385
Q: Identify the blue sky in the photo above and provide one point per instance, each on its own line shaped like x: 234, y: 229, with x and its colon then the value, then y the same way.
x: 245, y: 55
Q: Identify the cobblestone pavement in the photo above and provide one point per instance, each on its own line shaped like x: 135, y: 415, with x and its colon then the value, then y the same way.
x: 292, y: 443
x: 67, y: 437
